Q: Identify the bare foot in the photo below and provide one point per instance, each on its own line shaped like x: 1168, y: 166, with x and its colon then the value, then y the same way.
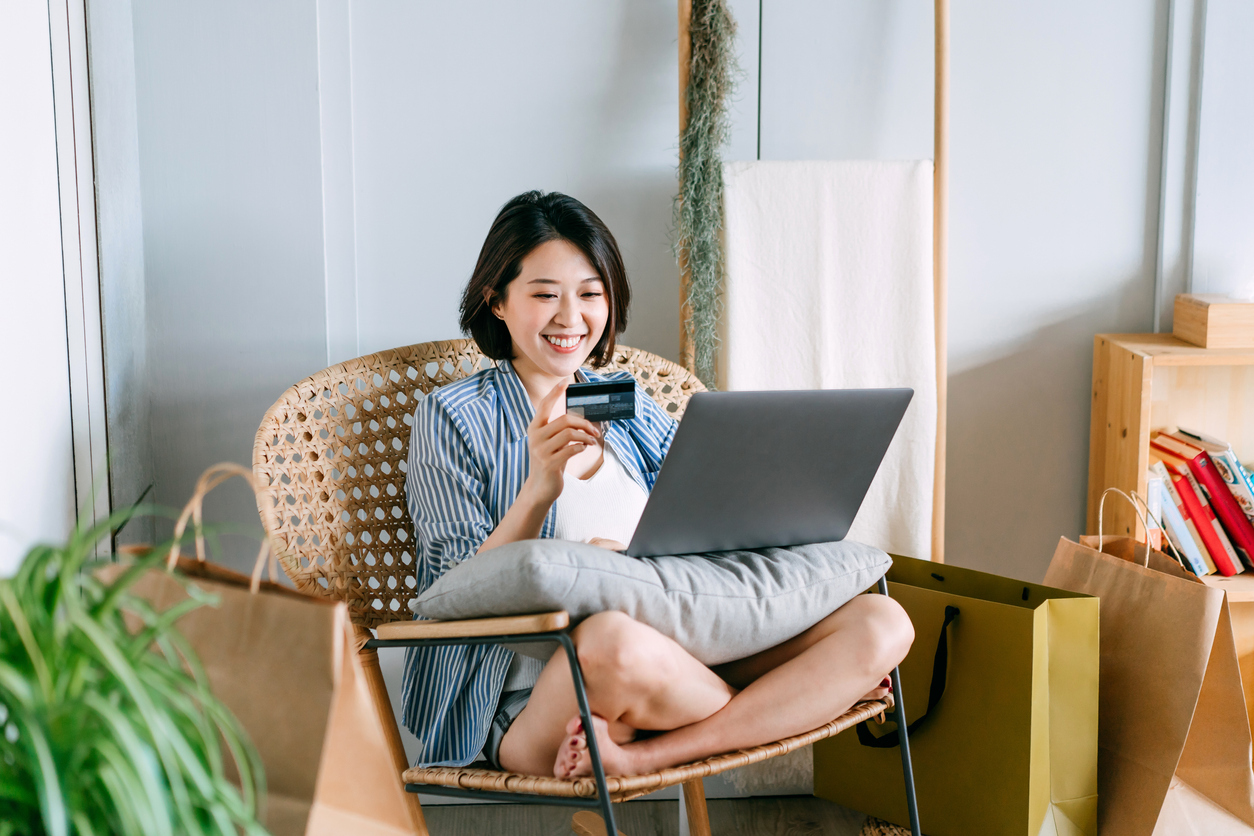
x: 883, y: 690
x: 574, y: 761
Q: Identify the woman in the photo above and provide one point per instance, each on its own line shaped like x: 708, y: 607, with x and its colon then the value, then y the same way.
x: 495, y: 459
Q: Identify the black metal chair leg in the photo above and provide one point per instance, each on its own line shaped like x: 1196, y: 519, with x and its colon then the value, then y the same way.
x: 594, y: 753
x: 899, y: 717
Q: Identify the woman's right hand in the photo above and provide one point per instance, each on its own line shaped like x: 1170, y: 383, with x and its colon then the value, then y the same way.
x: 552, y: 443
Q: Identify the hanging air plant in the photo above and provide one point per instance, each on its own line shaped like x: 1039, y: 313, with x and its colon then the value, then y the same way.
x: 699, y: 206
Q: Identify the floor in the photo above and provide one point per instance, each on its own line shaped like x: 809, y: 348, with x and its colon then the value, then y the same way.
x: 782, y: 816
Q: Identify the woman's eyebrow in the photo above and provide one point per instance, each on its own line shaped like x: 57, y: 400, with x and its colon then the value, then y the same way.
x: 555, y: 281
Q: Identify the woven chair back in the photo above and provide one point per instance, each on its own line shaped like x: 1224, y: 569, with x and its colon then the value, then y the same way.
x: 330, y: 459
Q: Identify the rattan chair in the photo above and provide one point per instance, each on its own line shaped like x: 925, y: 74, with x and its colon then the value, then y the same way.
x: 329, y: 459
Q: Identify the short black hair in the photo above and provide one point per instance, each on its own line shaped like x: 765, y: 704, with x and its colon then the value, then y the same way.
x: 526, y: 222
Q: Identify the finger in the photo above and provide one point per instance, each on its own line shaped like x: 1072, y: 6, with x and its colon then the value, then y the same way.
x: 570, y: 420
x: 583, y: 424
x: 567, y: 453
x: 565, y: 439
x: 572, y: 434
x: 546, y: 405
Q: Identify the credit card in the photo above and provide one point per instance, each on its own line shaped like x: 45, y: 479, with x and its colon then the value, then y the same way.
x: 614, y: 400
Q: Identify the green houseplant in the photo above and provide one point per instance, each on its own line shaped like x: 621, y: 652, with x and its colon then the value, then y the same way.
x: 107, y: 724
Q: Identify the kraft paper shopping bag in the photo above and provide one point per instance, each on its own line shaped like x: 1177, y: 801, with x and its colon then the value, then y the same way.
x: 1010, y: 746
x: 286, y: 665
x: 1174, y: 740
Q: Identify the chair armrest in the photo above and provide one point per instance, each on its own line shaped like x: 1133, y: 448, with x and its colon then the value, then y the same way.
x: 510, y: 625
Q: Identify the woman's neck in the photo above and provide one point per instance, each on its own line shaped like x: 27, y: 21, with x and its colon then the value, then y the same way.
x: 538, y: 384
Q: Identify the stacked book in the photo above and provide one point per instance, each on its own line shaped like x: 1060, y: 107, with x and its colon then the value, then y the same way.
x: 1204, y: 498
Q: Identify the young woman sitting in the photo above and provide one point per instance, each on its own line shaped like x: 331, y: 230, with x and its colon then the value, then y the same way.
x: 495, y: 459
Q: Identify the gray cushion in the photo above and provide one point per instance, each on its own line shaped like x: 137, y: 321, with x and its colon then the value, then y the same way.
x: 719, y: 607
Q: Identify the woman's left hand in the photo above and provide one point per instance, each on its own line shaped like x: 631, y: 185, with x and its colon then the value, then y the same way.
x: 612, y: 545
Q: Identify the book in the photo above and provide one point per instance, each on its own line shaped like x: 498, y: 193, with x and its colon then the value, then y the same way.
x: 1180, y: 529
x: 1154, y: 490
x: 1211, y: 533
x: 1227, y: 465
x: 1156, y: 534
x: 1222, y: 502
x: 1245, y: 474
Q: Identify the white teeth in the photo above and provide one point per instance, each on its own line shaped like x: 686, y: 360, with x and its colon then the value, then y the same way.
x: 564, y: 342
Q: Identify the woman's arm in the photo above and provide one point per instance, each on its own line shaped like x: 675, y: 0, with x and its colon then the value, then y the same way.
x: 551, y: 444
x: 445, y: 489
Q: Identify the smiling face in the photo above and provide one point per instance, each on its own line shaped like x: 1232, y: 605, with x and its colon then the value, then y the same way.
x: 555, y: 310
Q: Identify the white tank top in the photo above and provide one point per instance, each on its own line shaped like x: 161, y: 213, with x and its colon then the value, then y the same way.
x: 606, y: 505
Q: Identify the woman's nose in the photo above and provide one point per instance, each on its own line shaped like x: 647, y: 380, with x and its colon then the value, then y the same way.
x: 567, y: 311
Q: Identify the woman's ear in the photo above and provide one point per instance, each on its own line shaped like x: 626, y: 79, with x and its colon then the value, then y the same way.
x: 493, y: 302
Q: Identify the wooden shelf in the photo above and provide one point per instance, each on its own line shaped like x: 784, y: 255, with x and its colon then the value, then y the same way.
x: 1144, y: 382
x: 1167, y: 350
x: 1240, y: 588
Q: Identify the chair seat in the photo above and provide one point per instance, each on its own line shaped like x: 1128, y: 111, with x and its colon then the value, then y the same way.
x: 629, y: 787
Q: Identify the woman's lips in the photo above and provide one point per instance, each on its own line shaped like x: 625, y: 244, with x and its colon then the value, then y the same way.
x: 566, y: 344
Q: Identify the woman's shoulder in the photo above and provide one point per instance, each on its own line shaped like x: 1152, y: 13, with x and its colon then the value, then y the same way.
x: 464, y: 400
x: 478, y: 386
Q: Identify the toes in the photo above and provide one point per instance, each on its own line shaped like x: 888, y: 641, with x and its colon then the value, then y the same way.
x: 565, y: 763
x: 568, y: 766
x: 572, y: 750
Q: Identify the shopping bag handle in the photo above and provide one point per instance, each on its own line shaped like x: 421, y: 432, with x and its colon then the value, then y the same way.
x: 194, y: 510
x: 1138, y: 502
x: 940, y: 672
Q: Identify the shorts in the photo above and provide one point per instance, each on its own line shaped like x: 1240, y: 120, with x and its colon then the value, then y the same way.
x: 507, y: 710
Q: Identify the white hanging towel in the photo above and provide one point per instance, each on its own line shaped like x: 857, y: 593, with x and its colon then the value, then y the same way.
x: 829, y: 286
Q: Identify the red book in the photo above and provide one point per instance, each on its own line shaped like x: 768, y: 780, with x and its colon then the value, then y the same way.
x: 1208, y: 527
x: 1225, y: 505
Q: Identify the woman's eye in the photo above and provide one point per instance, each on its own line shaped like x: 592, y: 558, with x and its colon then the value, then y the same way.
x: 593, y: 294
x: 546, y: 296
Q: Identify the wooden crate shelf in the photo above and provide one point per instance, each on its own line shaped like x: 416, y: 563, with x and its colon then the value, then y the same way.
x: 1144, y: 382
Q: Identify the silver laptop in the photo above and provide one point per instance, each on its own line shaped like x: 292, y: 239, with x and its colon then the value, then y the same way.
x: 750, y: 470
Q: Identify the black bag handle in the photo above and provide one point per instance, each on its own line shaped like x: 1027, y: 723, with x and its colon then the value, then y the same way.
x: 940, y: 671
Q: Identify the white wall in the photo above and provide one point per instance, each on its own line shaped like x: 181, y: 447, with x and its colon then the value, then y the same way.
x: 318, y: 175
x: 1223, y: 259
x: 37, y: 501
x: 229, y: 159
x: 318, y: 178
x: 454, y: 114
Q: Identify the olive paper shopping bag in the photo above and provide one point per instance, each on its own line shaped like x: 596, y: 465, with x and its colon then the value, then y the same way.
x: 1174, y: 739
x: 1000, y: 689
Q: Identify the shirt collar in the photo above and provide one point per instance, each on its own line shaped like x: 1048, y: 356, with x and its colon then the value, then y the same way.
x: 518, y: 408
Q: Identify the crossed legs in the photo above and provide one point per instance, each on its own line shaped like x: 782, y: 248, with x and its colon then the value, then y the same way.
x: 637, y: 679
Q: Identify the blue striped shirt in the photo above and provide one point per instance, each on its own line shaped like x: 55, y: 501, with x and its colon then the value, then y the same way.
x: 468, y: 459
